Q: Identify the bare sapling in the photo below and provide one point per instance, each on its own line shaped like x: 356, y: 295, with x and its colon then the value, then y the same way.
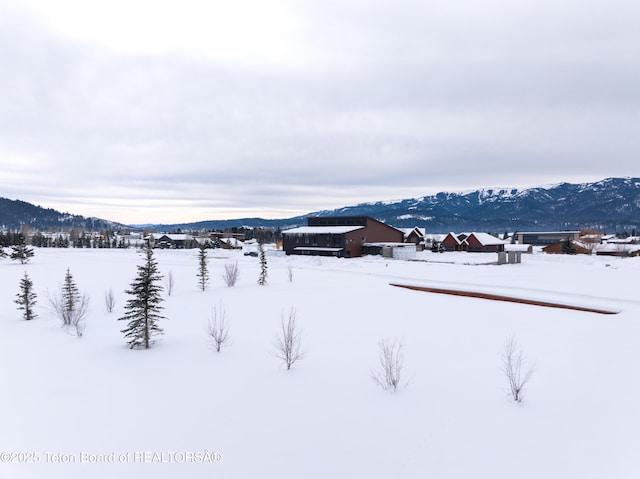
x: 72, y: 315
x: 169, y: 283
x: 231, y: 274
x: 289, y: 341
x: 515, y: 368
x: 218, y: 328
x: 390, y: 364
x: 109, y: 301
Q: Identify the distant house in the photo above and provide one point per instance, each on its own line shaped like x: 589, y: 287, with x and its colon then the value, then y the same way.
x: 231, y: 243
x: 455, y: 242
x: 225, y: 235
x: 176, y: 241
x: 473, y: 242
x: 414, y: 235
x: 618, y: 249
x: 557, y: 248
x: 484, y: 243
x: 341, y: 236
x: 543, y: 238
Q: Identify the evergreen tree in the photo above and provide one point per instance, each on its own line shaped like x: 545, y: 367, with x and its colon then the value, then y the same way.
x: 21, y: 252
x: 3, y: 253
x: 203, y: 270
x: 69, y: 297
x: 567, y: 247
x: 69, y: 305
x: 26, y: 298
x: 143, y: 310
x: 262, y: 278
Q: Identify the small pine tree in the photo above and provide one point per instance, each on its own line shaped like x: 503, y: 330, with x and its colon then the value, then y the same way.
x: 26, y: 298
x: 70, y: 296
x: 203, y: 269
x: 262, y: 278
x: 143, y: 310
x: 21, y: 252
x: 568, y: 247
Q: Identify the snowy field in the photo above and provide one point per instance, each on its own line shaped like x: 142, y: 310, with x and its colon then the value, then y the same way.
x: 183, y: 410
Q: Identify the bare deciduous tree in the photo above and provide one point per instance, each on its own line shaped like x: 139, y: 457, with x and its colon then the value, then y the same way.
x: 73, y: 316
x: 169, y: 283
x: 109, y: 300
x: 218, y: 328
x: 231, y: 274
x: 290, y: 273
x: 289, y: 341
x: 515, y: 369
x: 390, y: 364
x: 590, y: 239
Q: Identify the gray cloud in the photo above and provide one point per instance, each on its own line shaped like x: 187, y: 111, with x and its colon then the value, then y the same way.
x: 384, y: 102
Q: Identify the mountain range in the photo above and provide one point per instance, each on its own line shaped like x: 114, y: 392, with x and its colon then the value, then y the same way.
x: 15, y: 213
x: 610, y: 205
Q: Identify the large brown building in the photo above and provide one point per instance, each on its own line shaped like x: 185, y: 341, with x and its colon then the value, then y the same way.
x: 342, y: 236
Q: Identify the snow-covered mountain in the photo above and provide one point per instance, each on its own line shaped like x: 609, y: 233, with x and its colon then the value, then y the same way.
x: 610, y: 205
x: 14, y: 214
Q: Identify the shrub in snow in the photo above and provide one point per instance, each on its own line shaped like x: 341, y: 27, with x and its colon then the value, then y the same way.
x: 390, y: 364
x: 169, y: 283
x: 218, y: 329
x: 289, y: 341
x: 143, y: 309
x: 231, y: 274
x: 515, y: 369
x: 109, y: 301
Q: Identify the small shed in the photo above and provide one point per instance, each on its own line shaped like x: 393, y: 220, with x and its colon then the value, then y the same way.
x: 521, y: 248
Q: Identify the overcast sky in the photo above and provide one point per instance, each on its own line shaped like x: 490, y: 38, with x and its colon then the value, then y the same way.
x: 162, y: 111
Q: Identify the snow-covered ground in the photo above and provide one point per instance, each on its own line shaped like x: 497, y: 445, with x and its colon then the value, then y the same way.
x: 182, y: 410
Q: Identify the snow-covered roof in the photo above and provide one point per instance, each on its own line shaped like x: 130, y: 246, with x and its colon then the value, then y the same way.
x: 176, y: 237
x: 516, y: 247
x: 408, y: 231
x: 322, y: 230
x: 627, y: 240
x: 394, y: 244
x: 486, y: 239
x: 454, y: 237
x: 546, y: 232
x: 232, y: 242
x: 617, y: 248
